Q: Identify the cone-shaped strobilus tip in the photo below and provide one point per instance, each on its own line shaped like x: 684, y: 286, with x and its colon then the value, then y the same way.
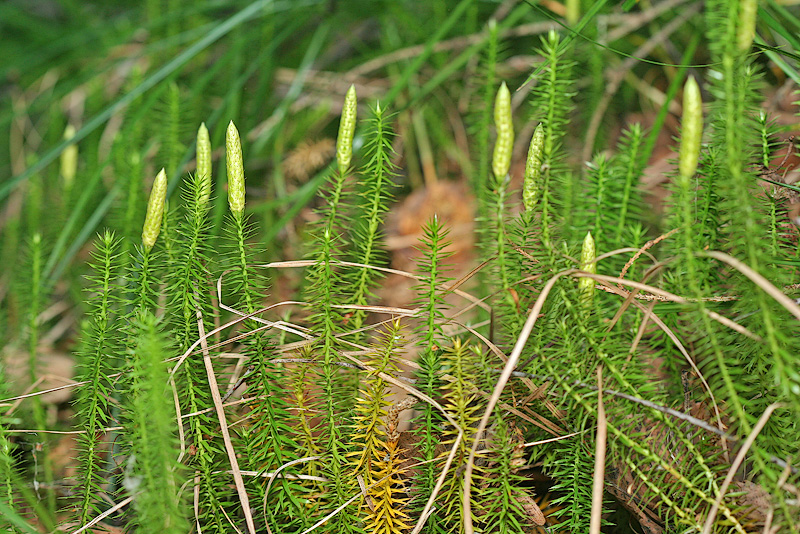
x: 204, y: 162
x: 69, y: 159
x: 746, y: 31
x: 501, y: 160
x: 235, y: 165
x: 691, y: 129
x: 347, y: 129
x: 155, y: 210
x: 588, y: 264
x: 533, y: 170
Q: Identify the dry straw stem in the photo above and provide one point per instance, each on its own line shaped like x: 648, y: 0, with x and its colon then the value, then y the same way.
x: 347, y: 129
x: 235, y: 165
x: 598, y: 482
x: 504, y: 146
x: 223, y: 423
x: 737, y: 463
x: 527, y: 329
x: 155, y: 210
x: 692, y: 129
x: 790, y: 305
x: 204, y: 161
x: 120, y: 505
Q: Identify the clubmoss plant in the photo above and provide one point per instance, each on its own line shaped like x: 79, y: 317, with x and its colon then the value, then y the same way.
x: 376, y: 456
x: 267, y: 438
x: 388, y: 513
x: 235, y: 166
x: 533, y: 171
x: 462, y: 404
x: 152, y: 474
x: 504, y: 124
x: 373, y: 202
x: 501, y: 508
x: 325, y: 284
x: 501, y: 162
x: 93, y: 403
x: 368, y: 436
x: 552, y: 103
x: 34, y: 304
x: 187, y: 277
x: 433, y: 275
x: 155, y: 211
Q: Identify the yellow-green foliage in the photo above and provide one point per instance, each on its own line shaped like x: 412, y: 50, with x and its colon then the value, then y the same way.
x: 368, y: 437
x: 386, y: 513
x: 461, y: 402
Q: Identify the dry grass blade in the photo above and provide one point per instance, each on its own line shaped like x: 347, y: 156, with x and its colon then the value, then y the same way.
x: 178, y: 418
x: 275, y: 476
x: 203, y: 339
x: 105, y: 514
x: 737, y: 462
x: 511, y: 364
x: 598, y: 480
x: 223, y: 423
x: 757, y: 279
x: 309, y: 263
